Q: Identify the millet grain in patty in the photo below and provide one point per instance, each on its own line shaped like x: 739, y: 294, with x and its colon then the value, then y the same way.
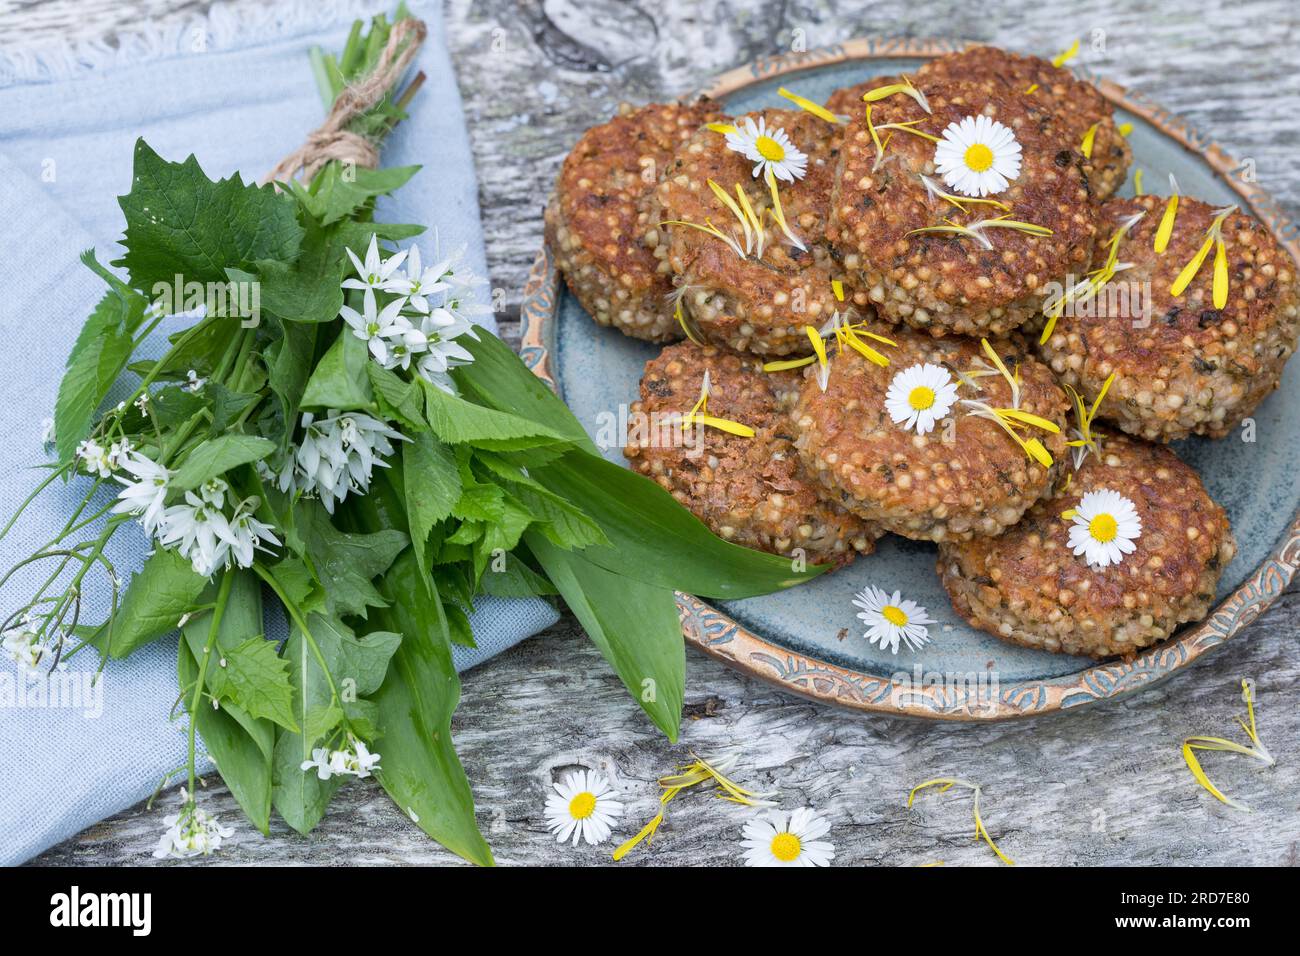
x: 1183, y: 367
x: 750, y: 491
x: 944, y: 283
x: 1028, y: 587
x: 750, y: 304
x: 597, y: 220
x: 925, y: 486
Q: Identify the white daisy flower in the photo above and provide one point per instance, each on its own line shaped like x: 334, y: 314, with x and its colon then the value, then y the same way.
x: 919, y: 396
x: 890, y: 619
x: 583, y: 806
x: 1105, y: 527
x: 192, y: 832
x: 768, y: 149
x: 774, y: 840
x: 146, y: 496
x: 376, y: 272
x: 978, y: 156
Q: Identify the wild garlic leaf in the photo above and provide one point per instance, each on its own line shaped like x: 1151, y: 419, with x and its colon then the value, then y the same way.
x: 288, y: 371
x: 256, y: 678
x: 218, y: 455
x: 499, y: 379
x: 644, y: 523
x: 340, y: 379
x: 457, y: 421
x: 515, y: 579
x: 178, y: 221
x: 163, y: 590
x: 339, y: 192
x: 240, y: 744
x: 397, y: 399
x: 563, y: 522
x: 299, y: 795
x: 635, y: 626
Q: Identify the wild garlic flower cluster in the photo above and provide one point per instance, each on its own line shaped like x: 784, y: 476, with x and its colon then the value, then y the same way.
x: 192, y: 832
x: 337, y: 456
x: 354, y: 760
x: 423, y: 312
x: 22, y: 643
x: 198, y: 527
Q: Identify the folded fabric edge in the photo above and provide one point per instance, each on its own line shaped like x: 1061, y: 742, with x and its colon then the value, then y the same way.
x: 223, y: 26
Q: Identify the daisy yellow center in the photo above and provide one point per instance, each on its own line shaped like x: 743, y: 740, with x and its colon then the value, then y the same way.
x: 1103, y: 528
x: 921, y: 398
x: 769, y: 149
x: 582, y: 806
x: 894, y: 615
x: 786, y: 847
x: 979, y: 157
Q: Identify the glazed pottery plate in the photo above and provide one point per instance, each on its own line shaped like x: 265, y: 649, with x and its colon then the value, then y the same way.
x: 808, y: 639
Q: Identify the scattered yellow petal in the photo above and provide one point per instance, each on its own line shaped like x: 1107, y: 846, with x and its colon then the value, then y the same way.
x: 947, y: 783
x: 807, y: 104
x: 906, y: 87
x: 786, y: 364
x: 1068, y: 514
x: 723, y: 128
x: 1088, y: 139
x: 681, y: 320
x: 1258, y: 751
x: 778, y: 213
x: 1125, y: 129
x: 1189, y: 271
x: 1220, y: 274
x: 721, y: 424
x: 1137, y: 181
x: 1033, y: 88
x: 838, y: 288
x: 1166, y: 228
x: 1061, y: 59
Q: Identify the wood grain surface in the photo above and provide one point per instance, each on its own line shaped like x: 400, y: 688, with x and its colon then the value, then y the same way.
x: 1106, y: 785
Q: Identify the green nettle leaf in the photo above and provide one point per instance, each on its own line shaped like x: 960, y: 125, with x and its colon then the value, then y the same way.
x: 100, y: 353
x: 240, y: 744
x: 346, y: 563
x: 340, y: 379
x: 218, y: 455
x: 457, y: 422
x: 339, y: 192
x: 180, y: 222
x: 173, y: 406
x: 499, y: 379
x: 160, y: 593
x: 655, y: 540
x: 254, y: 677
x: 431, y: 481
x: 307, y: 290
x: 635, y: 626
x: 560, y: 520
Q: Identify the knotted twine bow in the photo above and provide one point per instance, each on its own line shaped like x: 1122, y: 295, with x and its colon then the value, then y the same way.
x: 332, y: 139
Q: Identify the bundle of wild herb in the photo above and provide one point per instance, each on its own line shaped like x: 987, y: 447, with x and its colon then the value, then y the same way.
x: 337, y: 435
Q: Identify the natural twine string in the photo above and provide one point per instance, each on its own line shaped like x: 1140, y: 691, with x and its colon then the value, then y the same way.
x: 332, y: 139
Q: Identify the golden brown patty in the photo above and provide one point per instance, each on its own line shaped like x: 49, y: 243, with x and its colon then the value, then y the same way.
x: 1028, y: 587
x: 598, y: 218
x: 942, y: 282
x: 966, y: 477
x: 747, y: 303
x: 1182, y: 366
x: 1076, y: 106
x: 748, y: 490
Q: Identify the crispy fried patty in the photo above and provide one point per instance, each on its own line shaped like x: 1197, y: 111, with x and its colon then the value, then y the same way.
x: 966, y: 477
x: 945, y: 283
x: 747, y: 303
x: 1028, y: 587
x: 748, y: 490
x: 1077, y: 106
x: 1182, y: 366
x: 597, y: 220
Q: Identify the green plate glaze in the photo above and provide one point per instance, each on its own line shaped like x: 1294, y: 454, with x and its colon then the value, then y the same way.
x: 808, y: 640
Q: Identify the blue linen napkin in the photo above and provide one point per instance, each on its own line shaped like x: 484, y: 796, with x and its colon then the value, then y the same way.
x: 235, y: 88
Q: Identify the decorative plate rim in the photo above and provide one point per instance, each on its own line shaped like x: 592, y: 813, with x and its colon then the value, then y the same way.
x: 807, y: 676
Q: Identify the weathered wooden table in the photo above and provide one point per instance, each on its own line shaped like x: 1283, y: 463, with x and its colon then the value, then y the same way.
x: 1106, y: 785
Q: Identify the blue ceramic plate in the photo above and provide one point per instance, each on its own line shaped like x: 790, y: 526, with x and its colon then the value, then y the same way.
x: 808, y: 640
